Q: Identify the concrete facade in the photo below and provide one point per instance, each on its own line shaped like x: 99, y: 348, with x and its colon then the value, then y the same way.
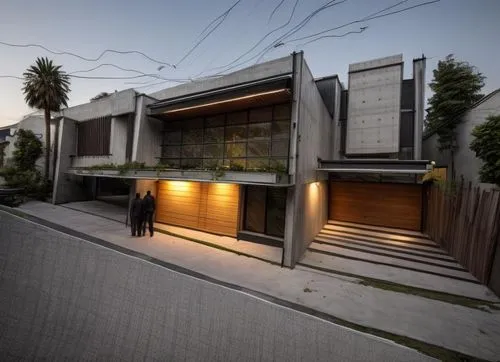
x: 147, y: 134
x: 374, y: 106
x: 467, y: 165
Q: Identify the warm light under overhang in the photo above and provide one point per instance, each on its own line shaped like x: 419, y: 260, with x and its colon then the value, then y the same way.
x: 284, y: 90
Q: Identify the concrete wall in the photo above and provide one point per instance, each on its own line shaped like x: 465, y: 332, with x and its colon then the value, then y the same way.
x: 116, y: 104
x: 148, y: 135
x: 430, y: 151
x: 306, y: 206
x: 64, y: 298
x: 259, y: 71
x: 374, y: 106
x: 118, y: 143
x: 67, y: 187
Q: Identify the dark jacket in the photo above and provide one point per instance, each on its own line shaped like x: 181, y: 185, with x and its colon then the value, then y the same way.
x: 136, y: 208
x: 148, y: 204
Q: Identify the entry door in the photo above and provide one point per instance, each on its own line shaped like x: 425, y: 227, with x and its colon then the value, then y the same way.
x: 381, y: 204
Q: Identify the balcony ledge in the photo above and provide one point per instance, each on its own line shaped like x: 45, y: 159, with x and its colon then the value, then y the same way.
x: 239, y: 177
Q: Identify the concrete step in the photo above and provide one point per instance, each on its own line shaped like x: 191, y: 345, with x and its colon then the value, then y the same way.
x: 452, y: 269
x: 380, y: 228
x: 381, y: 235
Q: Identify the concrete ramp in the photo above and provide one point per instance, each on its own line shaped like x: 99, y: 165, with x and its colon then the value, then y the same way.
x: 64, y: 298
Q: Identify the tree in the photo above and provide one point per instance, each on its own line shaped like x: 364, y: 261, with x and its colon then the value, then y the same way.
x: 28, y: 150
x: 456, y: 86
x: 486, y: 145
x: 46, y: 87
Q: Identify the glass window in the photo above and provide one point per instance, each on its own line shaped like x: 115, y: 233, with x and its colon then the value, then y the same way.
x: 281, y: 129
x: 261, y: 115
x: 172, y: 137
x: 279, y: 148
x: 258, y: 164
x: 258, y: 149
x: 276, y: 207
x: 192, y: 151
x: 282, y: 111
x: 237, y: 118
x: 215, y: 121
x: 236, y: 133
x: 213, y: 151
x: 171, y: 151
x: 193, y: 123
x: 191, y: 163
x: 214, y: 135
x: 192, y: 136
x: 212, y: 162
x: 170, y: 162
x: 265, y: 210
x: 255, y: 209
x: 259, y: 131
x: 279, y: 164
x: 236, y: 164
x: 235, y: 150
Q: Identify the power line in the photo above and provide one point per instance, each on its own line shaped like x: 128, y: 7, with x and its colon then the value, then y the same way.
x: 274, y: 10
x: 334, y: 36
x: 222, y: 17
x: 367, y: 18
x: 85, y: 58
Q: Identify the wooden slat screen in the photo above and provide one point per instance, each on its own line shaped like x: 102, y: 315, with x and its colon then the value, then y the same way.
x: 210, y: 207
x: 381, y: 204
x: 94, y: 137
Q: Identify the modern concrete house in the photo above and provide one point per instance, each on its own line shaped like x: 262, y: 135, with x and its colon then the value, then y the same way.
x: 466, y: 163
x: 265, y: 154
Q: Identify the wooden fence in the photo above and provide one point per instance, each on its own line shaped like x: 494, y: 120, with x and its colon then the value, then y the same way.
x: 466, y: 222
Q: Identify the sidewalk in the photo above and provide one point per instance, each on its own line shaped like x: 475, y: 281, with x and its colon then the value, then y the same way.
x: 467, y: 330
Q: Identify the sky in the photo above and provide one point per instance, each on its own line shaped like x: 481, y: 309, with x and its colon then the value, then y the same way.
x: 166, y: 30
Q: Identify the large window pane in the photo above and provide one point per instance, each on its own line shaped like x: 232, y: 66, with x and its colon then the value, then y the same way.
x: 171, y: 151
x: 261, y: 115
x: 279, y: 164
x: 279, y: 148
x: 214, y: 135
x: 234, y: 150
x: 172, y: 137
x: 236, y: 133
x: 282, y: 111
x: 236, y: 164
x: 258, y: 164
x: 276, y: 207
x: 212, y: 163
x: 170, y: 162
x: 215, y: 121
x: 192, y: 151
x: 192, y: 136
x: 213, y: 151
x: 192, y: 163
x: 259, y: 131
x: 281, y: 129
x: 255, y: 209
x: 258, y: 149
x: 237, y: 118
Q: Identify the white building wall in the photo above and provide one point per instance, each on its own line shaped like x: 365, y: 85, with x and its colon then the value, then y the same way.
x: 374, y: 106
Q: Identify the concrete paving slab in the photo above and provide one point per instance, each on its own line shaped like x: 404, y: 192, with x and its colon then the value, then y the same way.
x: 471, y: 331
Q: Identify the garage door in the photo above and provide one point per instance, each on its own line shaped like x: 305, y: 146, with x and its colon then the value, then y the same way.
x: 381, y: 204
x: 210, y: 207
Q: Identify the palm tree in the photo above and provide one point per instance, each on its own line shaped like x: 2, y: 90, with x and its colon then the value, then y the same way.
x: 46, y: 87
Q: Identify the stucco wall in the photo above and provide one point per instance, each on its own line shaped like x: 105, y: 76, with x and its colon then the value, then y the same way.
x: 67, y: 187
x: 259, y: 71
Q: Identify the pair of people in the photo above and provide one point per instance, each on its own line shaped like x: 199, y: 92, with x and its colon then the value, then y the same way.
x: 142, y: 211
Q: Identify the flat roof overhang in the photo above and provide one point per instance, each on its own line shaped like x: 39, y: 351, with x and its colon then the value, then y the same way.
x: 259, y: 93
x: 375, y: 166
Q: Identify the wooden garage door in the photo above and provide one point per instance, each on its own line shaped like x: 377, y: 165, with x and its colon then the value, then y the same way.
x: 381, y: 204
x: 210, y: 207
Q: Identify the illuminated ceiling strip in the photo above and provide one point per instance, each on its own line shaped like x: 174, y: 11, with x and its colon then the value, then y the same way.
x: 229, y: 100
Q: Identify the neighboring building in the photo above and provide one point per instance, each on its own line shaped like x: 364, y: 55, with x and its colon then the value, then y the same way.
x: 466, y: 163
x: 261, y: 154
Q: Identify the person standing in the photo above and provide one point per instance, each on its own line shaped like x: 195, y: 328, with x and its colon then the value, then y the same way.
x: 136, y: 214
x: 148, y: 207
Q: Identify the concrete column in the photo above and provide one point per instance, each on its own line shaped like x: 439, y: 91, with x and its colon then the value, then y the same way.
x: 419, y: 82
